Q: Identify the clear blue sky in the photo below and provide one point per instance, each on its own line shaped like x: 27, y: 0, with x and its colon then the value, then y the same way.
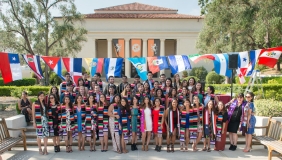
x: 183, y: 6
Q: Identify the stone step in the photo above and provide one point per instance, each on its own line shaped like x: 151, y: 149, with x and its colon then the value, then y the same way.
x: 32, y: 142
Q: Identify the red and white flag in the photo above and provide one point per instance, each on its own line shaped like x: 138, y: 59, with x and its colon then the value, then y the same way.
x: 33, y: 61
x: 10, y: 67
x: 270, y: 56
x: 74, y: 67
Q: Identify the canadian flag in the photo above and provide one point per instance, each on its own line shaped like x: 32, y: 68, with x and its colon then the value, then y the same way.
x: 270, y: 56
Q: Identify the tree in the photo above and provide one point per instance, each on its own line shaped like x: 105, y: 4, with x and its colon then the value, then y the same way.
x: 38, y: 32
x: 232, y: 26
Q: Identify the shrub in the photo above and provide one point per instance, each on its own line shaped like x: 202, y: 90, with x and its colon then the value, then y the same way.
x: 17, y: 92
x: 199, y: 72
x: 184, y: 74
x: 54, y: 79
x: 214, y: 78
x: 23, y: 82
x: 6, y: 90
x: 263, y: 80
x: 268, y: 107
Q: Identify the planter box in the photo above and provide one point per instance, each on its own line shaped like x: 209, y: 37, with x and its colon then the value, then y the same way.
x: 17, y: 121
x: 262, y: 121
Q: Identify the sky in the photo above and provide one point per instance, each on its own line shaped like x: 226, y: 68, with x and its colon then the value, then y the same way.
x: 183, y: 6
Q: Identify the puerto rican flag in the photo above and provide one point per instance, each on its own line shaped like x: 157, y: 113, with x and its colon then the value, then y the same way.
x: 55, y: 63
x: 157, y: 63
x: 33, y: 61
x: 10, y: 67
x: 74, y: 67
x: 270, y: 56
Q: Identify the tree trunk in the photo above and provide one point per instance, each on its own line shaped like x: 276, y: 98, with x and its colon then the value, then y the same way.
x: 278, y: 65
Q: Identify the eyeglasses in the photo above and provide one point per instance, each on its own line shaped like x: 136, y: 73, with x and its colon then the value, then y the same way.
x: 248, y: 96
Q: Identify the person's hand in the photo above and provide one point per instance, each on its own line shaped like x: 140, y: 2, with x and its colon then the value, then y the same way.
x: 117, y: 116
x: 232, y: 100
x: 34, y: 125
x: 222, y: 132
x: 248, y: 125
x: 161, y: 127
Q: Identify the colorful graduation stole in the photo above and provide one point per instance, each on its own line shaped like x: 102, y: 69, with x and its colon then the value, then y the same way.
x: 213, y: 128
x: 88, y: 124
x: 100, y: 113
x: 161, y: 113
x: 206, y: 123
x: 50, y: 122
x: 124, y: 122
x: 171, y: 123
x: 93, y: 117
x: 105, y: 119
x: 138, y: 122
x: 183, y: 127
x: 38, y: 119
x: 219, y: 126
x: 193, y: 123
x: 115, y: 119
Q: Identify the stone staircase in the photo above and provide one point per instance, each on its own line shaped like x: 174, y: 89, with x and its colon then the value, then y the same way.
x: 31, y: 139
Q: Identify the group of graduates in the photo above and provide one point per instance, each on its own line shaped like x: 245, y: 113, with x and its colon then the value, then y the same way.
x: 90, y: 110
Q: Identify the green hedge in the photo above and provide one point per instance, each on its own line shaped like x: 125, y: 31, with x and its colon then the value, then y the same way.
x: 264, y: 79
x: 23, y: 82
x: 6, y: 90
x: 224, y: 88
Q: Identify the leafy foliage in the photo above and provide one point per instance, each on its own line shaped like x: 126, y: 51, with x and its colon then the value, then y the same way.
x: 214, y: 78
x: 23, y: 82
x: 233, y: 26
x: 187, y: 78
x: 34, y: 90
x: 199, y: 72
x: 268, y: 107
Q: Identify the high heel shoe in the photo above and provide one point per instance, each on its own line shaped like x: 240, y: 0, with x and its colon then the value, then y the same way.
x: 246, y: 150
x: 45, y: 151
x: 40, y: 151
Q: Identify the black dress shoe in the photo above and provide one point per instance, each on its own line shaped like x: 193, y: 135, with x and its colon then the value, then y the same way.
x: 231, y: 147
x: 58, y: 149
x: 55, y: 149
x: 135, y: 147
x: 234, y: 148
x: 132, y: 147
x: 157, y: 148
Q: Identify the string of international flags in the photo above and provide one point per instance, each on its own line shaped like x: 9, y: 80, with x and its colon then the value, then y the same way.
x: 11, y: 70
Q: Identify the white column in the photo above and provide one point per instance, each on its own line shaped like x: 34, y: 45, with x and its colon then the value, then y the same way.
x: 162, y: 52
x: 144, y: 47
x: 177, y: 47
x: 127, y: 55
x: 110, y: 54
x: 94, y: 48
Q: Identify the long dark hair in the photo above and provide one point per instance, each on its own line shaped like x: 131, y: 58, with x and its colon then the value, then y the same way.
x: 100, y: 102
x: 113, y: 101
x: 156, y: 93
x: 207, y: 106
x: 88, y: 102
x: 149, y: 104
x: 170, y: 82
x: 64, y: 102
x: 170, y: 92
x: 55, y: 98
x: 252, y: 95
x: 57, y: 93
x: 80, y: 79
x: 79, y: 95
x: 201, y: 89
x: 224, y: 109
x: 126, y: 107
x: 188, y: 100
x: 170, y: 105
x: 154, y: 102
x: 43, y: 101
x: 136, y: 98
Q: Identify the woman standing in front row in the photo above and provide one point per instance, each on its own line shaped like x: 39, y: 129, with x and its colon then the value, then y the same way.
x: 124, y: 123
x: 158, y: 113
x: 172, y: 122
x: 146, y: 123
x: 90, y: 122
x: 54, y: 114
x: 40, y: 122
x: 197, y: 127
x: 221, y: 126
x: 67, y: 122
x: 113, y: 122
x: 234, y: 116
x: 250, y: 119
x: 184, y: 125
x: 134, y: 122
x: 103, y: 122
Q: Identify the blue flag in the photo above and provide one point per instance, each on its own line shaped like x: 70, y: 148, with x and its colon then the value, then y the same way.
x: 113, y: 67
x: 221, y: 65
x: 140, y: 65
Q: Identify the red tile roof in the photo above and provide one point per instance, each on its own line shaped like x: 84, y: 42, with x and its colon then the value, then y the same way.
x: 135, y: 7
x: 142, y: 16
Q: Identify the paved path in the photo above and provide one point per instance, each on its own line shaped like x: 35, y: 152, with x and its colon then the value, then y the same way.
x: 258, y: 153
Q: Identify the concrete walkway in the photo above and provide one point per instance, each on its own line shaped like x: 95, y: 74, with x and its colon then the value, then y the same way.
x: 258, y: 153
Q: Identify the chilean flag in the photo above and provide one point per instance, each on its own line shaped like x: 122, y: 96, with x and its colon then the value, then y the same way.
x: 55, y: 64
x: 157, y: 63
x: 95, y: 65
x: 10, y: 67
x: 34, y: 64
x: 270, y: 56
x: 74, y: 67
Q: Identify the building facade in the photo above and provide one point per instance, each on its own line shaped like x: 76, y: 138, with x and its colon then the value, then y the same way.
x: 176, y: 33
